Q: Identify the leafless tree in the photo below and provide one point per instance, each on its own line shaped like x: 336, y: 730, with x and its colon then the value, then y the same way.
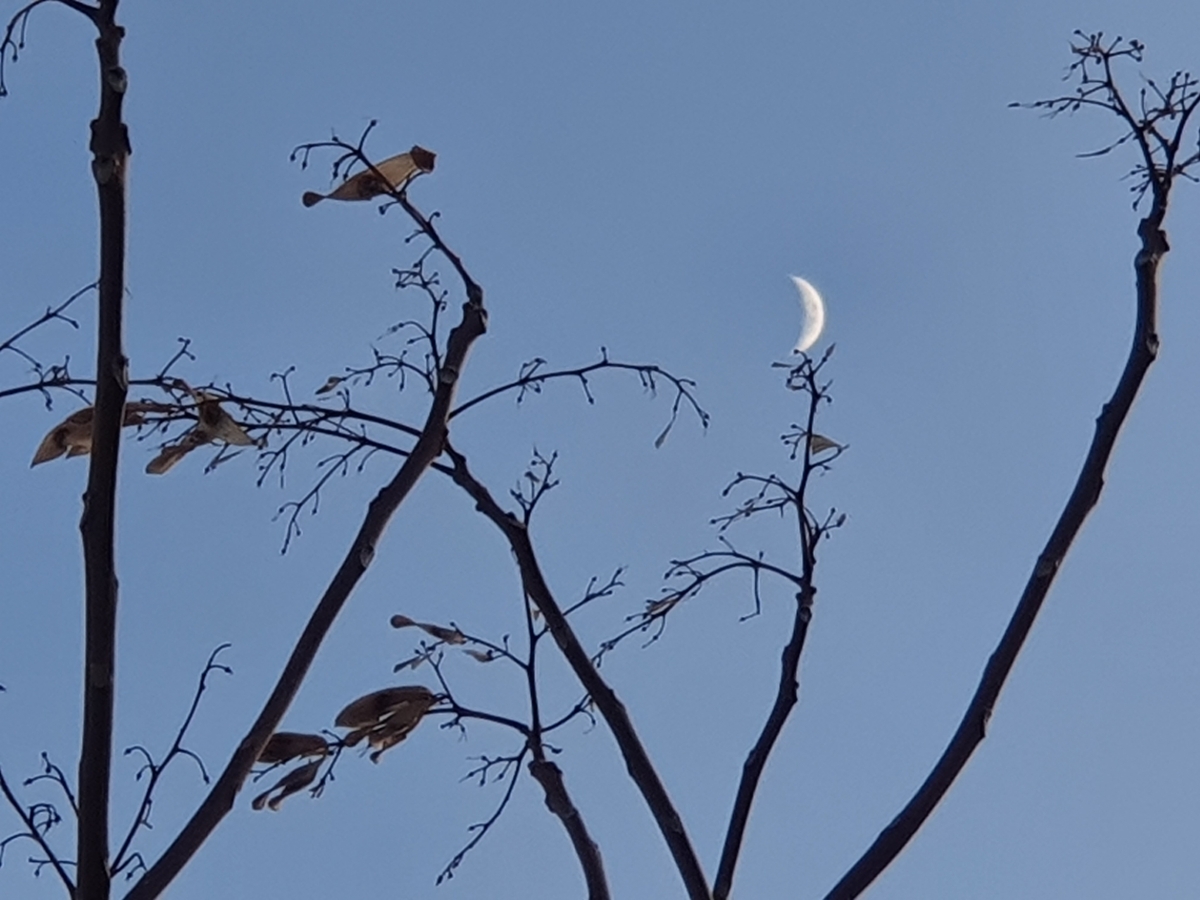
x: 187, y: 418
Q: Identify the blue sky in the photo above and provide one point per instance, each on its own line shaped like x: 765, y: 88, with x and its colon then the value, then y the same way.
x: 642, y: 177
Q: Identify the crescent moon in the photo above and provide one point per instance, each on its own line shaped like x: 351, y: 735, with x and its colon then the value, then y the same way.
x: 814, y: 314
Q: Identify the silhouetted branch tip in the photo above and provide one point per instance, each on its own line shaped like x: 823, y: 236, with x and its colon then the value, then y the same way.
x: 1156, y: 121
x: 511, y: 770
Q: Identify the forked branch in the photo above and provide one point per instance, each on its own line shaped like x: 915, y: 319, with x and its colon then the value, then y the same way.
x: 814, y: 452
x: 153, y: 771
x: 1156, y: 122
x: 637, y: 760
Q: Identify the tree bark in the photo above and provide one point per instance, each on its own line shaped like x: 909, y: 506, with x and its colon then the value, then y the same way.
x: 110, y: 155
x: 637, y: 760
x: 558, y: 801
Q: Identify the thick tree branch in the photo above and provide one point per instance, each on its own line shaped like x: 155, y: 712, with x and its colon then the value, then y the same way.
x: 110, y: 154
x: 1088, y: 486
x: 558, y: 801
x: 544, y: 772
x: 426, y: 449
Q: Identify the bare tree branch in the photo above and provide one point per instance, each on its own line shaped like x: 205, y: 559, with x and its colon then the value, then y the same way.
x: 1159, y: 171
x: 641, y: 769
x: 51, y: 772
x: 14, y: 34
x: 110, y: 154
x: 1156, y: 123
x: 531, y: 379
x: 805, y: 376
x: 424, y: 452
x: 37, y: 835
x: 558, y: 801
x: 51, y: 314
x: 510, y: 768
x: 154, y: 771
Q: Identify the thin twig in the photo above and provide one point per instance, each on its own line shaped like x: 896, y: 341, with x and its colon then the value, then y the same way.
x: 35, y: 835
x: 51, y: 772
x: 14, y: 35
x: 511, y: 769
x: 156, y: 770
x: 531, y: 378
x: 52, y: 313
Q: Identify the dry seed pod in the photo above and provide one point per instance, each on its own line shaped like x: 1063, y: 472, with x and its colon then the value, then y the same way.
x: 390, y: 175
x: 218, y: 424
x: 285, y: 745
x: 449, y: 635
x: 818, y: 443
x: 373, y: 708
x: 293, y: 781
x: 413, y: 662
x: 213, y: 424
x: 73, y: 435
x: 386, y: 717
x: 654, y: 607
x: 387, y: 738
x: 173, y: 453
